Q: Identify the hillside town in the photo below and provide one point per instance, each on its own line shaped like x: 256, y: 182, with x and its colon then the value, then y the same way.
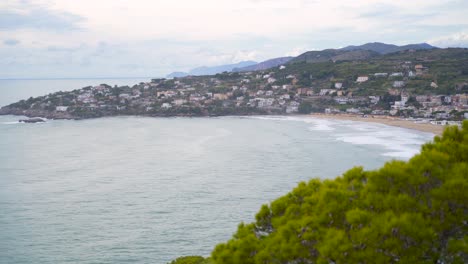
x: 247, y: 93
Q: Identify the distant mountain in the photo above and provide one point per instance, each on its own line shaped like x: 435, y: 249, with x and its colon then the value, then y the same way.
x: 265, y: 64
x: 334, y: 55
x: 204, y: 70
x: 383, y: 48
x: 177, y: 74
x: 349, y: 53
x: 218, y: 69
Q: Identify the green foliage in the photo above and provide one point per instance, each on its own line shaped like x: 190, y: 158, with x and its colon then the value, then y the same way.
x: 305, y: 108
x: 448, y: 67
x: 191, y: 260
x: 407, y: 212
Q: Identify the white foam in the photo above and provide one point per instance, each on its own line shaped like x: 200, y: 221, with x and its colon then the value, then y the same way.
x: 11, y: 123
x: 400, y: 143
x: 318, y: 124
x: 396, y: 142
x: 322, y: 125
x: 401, y: 154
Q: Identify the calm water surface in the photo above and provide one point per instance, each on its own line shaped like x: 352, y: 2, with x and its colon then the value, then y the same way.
x: 146, y: 190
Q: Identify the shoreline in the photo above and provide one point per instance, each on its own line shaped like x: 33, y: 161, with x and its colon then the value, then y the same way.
x: 386, y: 120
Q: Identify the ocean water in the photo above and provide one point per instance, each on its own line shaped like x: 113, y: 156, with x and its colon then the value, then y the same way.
x: 147, y: 190
x: 13, y: 90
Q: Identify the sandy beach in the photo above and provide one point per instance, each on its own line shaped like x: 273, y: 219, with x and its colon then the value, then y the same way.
x: 386, y: 120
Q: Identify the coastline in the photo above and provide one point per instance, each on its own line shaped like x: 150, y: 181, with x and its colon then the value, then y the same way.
x: 386, y: 120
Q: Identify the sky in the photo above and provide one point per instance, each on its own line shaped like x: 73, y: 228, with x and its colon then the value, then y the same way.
x: 151, y: 38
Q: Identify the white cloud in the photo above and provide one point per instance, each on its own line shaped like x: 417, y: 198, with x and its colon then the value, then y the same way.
x: 297, y: 51
x: 456, y: 40
x: 154, y: 37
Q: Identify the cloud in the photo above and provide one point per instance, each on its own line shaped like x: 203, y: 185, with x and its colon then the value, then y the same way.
x: 379, y: 11
x: 459, y: 40
x: 297, y: 51
x: 26, y: 16
x: 11, y: 42
x: 90, y: 38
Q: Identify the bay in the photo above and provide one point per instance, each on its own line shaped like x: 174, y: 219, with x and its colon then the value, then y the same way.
x: 147, y: 190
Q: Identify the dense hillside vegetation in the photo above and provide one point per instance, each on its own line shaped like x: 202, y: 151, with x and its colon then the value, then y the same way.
x: 447, y: 67
x: 405, y: 212
x: 383, y: 48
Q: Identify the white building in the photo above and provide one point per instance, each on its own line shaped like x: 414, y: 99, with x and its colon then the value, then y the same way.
x: 353, y: 111
x: 381, y: 74
x: 396, y: 74
x: 166, y: 105
x: 180, y: 101
x: 374, y: 99
x: 362, y: 79
x: 327, y: 91
x: 61, y: 108
x: 398, y: 84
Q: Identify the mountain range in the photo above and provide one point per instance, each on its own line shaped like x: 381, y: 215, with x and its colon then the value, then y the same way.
x: 348, y: 53
x: 205, y: 70
x: 265, y: 64
x: 383, y: 48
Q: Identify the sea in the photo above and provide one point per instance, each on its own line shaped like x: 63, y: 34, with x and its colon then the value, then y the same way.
x: 147, y: 190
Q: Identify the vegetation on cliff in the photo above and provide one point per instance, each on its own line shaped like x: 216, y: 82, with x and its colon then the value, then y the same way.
x: 406, y: 212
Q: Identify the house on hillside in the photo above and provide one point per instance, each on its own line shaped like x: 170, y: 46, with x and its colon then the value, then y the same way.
x: 61, y: 108
x: 420, y: 69
x: 380, y: 74
x: 220, y: 96
x: 166, y: 105
x: 305, y: 91
x: 180, y: 102
x: 327, y: 92
x: 293, y: 107
x: 422, y: 98
x: 341, y: 100
x: 362, y: 79
x: 396, y: 74
x: 287, y: 87
x: 271, y: 80
x: 398, y: 84
x: 374, y: 99
x: 393, y: 91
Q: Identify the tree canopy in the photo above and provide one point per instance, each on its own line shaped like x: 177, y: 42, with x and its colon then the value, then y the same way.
x: 405, y: 212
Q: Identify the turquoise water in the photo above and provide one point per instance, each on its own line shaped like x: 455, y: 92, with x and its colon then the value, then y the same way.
x: 146, y: 190
x: 14, y: 90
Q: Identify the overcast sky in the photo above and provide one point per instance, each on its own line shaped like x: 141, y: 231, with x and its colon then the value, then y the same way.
x: 146, y: 38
